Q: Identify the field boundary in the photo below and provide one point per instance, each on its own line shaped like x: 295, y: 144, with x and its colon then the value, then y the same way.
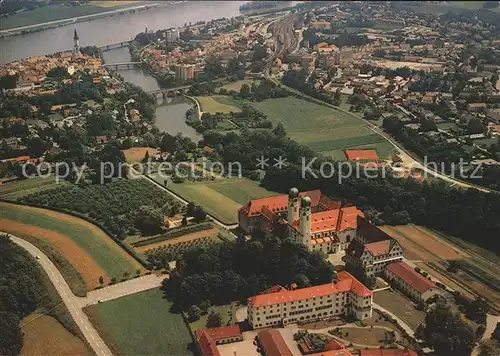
x: 173, y: 233
x: 121, y: 243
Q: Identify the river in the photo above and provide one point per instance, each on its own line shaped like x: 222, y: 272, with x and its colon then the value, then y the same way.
x: 114, y: 29
x: 170, y: 116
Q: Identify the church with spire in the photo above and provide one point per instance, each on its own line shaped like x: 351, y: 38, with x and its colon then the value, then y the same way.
x: 76, y: 43
x: 309, y: 217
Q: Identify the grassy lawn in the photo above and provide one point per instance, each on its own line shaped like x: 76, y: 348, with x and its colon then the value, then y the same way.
x: 64, y: 231
x: 401, y: 306
x: 321, y: 128
x: 48, y: 13
x: 221, y: 198
x: 226, y: 312
x: 141, y: 324
x: 214, y: 104
x: 21, y: 188
x: 238, y: 84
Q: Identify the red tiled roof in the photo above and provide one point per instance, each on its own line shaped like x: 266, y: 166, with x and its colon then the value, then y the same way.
x: 412, y: 278
x: 328, y: 220
x: 333, y: 353
x: 361, y: 155
x: 379, y: 247
x: 387, y: 352
x: 222, y: 332
x: 345, y: 283
x: 273, y: 344
x: 207, y: 344
x: 334, y: 345
x: 278, y: 203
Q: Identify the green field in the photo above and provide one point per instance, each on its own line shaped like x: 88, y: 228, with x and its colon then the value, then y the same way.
x: 456, y: 6
x: 237, y: 85
x: 321, y: 128
x: 227, y: 313
x: 48, y: 13
x: 141, y: 324
x: 20, y: 188
x: 221, y: 198
x: 106, y: 253
x: 215, y: 104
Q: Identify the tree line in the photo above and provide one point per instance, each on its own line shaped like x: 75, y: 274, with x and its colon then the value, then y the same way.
x: 236, y: 270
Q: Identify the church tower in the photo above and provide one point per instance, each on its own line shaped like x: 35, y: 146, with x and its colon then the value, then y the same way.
x: 76, y: 43
x: 293, y: 206
x: 305, y: 220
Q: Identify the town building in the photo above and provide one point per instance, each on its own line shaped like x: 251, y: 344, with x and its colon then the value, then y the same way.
x: 347, y: 296
x: 412, y: 283
x: 387, y: 352
x: 311, y: 218
x: 172, y: 35
x: 272, y: 343
x: 184, y: 72
x: 372, y: 250
x: 208, y: 339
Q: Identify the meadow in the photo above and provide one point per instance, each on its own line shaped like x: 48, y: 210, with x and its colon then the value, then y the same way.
x: 322, y: 128
x: 20, y: 188
x: 215, y: 104
x: 82, y: 244
x: 221, y: 198
x: 141, y: 324
x: 238, y: 84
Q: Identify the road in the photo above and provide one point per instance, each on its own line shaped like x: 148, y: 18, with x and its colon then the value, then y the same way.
x: 75, y: 304
x: 70, y: 300
x: 75, y: 19
x: 122, y: 289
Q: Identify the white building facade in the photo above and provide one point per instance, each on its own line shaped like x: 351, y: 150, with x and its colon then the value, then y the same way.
x: 345, y: 297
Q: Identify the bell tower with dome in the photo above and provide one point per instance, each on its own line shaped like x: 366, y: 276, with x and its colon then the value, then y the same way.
x: 305, y: 220
x: 293, y: 205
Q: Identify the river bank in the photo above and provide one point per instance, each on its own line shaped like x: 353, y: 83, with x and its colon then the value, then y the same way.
x: 113, y: 29
x: 65, y: 21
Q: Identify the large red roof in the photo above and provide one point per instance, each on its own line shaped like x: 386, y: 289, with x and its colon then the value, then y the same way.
x: 222, y: 332
x: 278, y: 203
x: 387, y: 352
x: 329, y: 220
x: 206, y: 343
x: 361, y: 155
x: 370, y: 232
x: 333, y: 353
x: 345, y: 283
x: 412, y: 278
x: 273, y: 344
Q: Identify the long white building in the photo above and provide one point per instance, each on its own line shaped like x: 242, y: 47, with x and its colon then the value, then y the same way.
x: 345, y: 297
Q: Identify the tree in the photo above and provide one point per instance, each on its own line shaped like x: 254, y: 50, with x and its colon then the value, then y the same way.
x: 126, y: 274
x: 199, y: 214
x: 190, y: 209
x: 447, y: 333
x: 113, y: 280
x: 245, y: 91
x: 489, y: 348
x: 194, y: 313
x: 213, y: 320
x: 11, y: 339
x: 184, y: 221
x: 279, y: 130
x: 101, y: 280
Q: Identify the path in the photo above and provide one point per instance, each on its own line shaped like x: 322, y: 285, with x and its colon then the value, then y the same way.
x: 70, y: 300
x: 122, y: 289
x: 184, y: 201
x: 401, y: 323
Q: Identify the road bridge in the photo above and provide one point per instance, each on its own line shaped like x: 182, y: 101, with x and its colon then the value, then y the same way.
x: 123, y: 65
x: 111, y: 46
x: 164, y: 93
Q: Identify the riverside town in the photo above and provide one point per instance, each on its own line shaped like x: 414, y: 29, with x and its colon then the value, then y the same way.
x: 249, y: 178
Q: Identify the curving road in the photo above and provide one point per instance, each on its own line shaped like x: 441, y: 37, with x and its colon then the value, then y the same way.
x: 70, y: 300
x: 75, y: 304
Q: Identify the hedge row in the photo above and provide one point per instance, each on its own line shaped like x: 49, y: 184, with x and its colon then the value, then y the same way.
x: 173, y: 233
x: 125, y: 246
